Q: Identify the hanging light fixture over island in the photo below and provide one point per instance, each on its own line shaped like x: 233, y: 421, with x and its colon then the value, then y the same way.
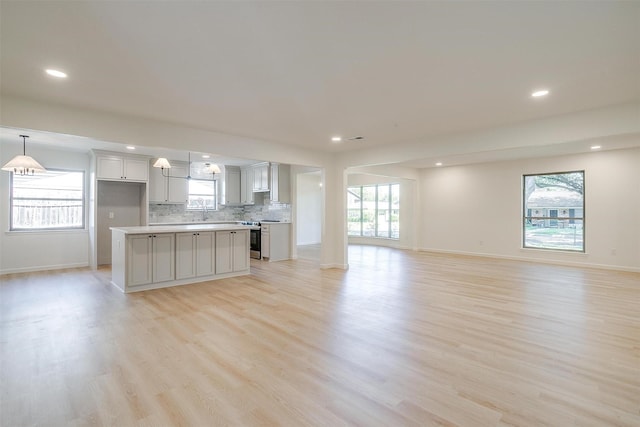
x: 23, y: 164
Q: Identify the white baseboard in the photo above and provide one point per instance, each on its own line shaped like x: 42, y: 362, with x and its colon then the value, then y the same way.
x: 42, y: 268
x: 535, y: 260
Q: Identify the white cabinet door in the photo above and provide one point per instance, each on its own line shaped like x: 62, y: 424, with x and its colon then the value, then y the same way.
x: 246, y: 186
x: 261, y: 177
x: 163, y: 257
x: 232, y: 186
x: 276, y: 241
x: 185, y: 255
x: 178, y: 187
x: 265, y: 241
x: 195, y: 254
x: 139, y: 260
x: 171, y: 190
x: 157, y: 185
x: 274, y: 182
x: 232, y: 251
x: 240, y: 250
x: 280, y: 183
x: 264, y: 177
x: 257, y: 183
x: 136, y: 170
x: 109, y: 167
x: 205, y: 253
x: 224, y: 254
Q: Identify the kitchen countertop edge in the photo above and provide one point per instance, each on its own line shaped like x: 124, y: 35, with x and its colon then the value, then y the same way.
x: 182, y: 228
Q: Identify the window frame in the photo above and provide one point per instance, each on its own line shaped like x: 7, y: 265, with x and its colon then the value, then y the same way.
x: 83, y: 226
x: 524, y: 210
x: 215, y: 196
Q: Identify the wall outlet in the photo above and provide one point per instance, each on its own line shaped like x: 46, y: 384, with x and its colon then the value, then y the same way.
x: 614, y: 252
x: 111, y: 215
x: 481, y: 242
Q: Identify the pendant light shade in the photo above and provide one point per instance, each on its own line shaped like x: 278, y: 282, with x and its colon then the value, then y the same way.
x: 212, y: 168
x: 23, y: 164
x: 162, y: 163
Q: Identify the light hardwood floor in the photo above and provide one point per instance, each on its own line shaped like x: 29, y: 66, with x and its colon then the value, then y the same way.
x: 400, y: 339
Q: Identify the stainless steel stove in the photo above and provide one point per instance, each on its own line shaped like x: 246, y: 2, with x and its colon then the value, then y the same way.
x: 255, y: 248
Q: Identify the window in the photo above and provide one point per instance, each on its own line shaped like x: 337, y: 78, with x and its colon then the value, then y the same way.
x: 374, y: 211
x: 50, y: 200
x: 553, y: 211
x: 202, y: 195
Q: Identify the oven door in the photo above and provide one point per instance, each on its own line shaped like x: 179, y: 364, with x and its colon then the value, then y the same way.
x: 255, y: 247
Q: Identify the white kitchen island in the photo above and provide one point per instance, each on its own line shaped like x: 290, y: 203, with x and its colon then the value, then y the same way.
x: 151, y: 257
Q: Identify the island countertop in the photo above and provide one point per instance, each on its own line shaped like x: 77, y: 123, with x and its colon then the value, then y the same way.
x: 154, y: 229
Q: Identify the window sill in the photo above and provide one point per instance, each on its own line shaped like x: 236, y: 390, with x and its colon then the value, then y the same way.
x: 392, y: 239
x: 554, y: 251
x: 44, y: 232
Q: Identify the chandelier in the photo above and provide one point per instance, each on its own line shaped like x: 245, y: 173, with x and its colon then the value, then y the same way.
x: 23, y: 164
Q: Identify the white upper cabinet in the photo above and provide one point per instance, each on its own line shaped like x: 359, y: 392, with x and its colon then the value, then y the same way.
x: 261, y: 177
x: 246, y: 185
x: 178, y: 186
x: 280, y: 183
x: 121, y: 168
x: 230, y: 186
x: 163, y: 189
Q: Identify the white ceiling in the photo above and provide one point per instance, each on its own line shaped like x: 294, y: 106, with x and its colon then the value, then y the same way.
x: 300, y: 72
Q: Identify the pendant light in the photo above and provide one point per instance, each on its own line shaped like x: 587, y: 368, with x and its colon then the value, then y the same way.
x: 23, y: 164
x: 163, y: 164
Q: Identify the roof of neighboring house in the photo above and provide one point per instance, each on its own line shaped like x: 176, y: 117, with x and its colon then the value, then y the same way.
x: 543, y: 198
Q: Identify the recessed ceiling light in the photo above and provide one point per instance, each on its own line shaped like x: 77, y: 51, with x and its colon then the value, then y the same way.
x: 130, y: 147
x: 596, y: 147
x: 56, y: 73
x: 540, y: 93
x: 336, y: 138
x: 205, y: 156
x: 439, y: 164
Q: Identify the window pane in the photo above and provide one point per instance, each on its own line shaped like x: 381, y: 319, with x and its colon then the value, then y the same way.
x: 52, y: 199
x: 354, y: 204
x: 369, y: 211
x: 395, y: 211
x: 554, y: 211
x: 383, y: 213
x: 201, y: 195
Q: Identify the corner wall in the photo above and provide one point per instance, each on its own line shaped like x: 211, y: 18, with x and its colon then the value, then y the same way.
x: 477, y: 209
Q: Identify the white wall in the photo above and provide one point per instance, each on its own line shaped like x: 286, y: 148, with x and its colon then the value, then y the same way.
x: 309, y: 209
x: 476, y: 209
x: 408, y: 206
x: 41, y: 250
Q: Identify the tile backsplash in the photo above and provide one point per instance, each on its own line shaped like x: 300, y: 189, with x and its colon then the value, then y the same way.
x: 263, y: 209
